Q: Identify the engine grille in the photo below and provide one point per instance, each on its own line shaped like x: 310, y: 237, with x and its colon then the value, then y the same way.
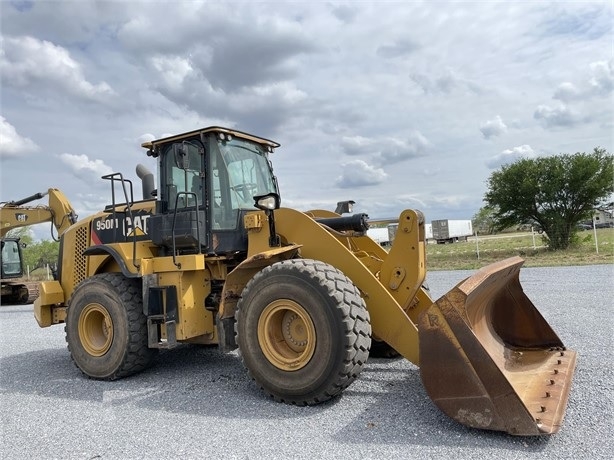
x: 80, y: 259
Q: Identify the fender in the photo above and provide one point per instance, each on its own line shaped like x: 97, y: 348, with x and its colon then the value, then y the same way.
x: 101, y: 250
x: 239, y: 277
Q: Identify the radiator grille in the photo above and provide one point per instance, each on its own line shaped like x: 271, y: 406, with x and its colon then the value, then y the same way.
x: 80, y: 259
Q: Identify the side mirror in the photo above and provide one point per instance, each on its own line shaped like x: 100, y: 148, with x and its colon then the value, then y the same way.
x: 344, y: 207
x: 268, y: 202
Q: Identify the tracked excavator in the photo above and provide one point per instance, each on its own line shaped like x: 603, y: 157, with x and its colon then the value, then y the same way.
x: 209, y: 256
x: 13, y: 214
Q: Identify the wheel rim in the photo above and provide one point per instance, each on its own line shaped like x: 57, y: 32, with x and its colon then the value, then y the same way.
x: 286, y: 335
x: 95, y: 329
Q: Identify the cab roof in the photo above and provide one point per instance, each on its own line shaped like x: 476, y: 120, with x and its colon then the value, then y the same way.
x: 210, y: 129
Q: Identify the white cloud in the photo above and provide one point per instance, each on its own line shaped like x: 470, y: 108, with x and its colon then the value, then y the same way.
x: 598, y: 84
x: 602, y: 79
x: 556, y: 117
x: 147, y: 137
x: 493, y: 128
x: 11, y: 143
x: 509, y: 156
x: 84, y: 168
x: 357, y: 173
x: 445, y: 83
x: 566, y: 92
x: 358, y: 145
x: 27, y: 61
x: 386, y: 150
x: 172, y: 70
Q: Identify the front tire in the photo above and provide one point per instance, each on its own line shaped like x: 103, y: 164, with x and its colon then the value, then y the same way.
x: 303, y: 331
x: 106, y: 329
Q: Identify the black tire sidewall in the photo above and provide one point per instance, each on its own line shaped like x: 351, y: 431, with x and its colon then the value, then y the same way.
x: 97, y: 290
x: 329, y: 353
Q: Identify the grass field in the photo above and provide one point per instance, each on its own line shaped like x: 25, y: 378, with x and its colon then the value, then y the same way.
x: 492, y: 248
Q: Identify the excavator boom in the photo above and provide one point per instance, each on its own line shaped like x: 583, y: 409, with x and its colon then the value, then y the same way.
x: 59, y: 212
x: 14, y: 214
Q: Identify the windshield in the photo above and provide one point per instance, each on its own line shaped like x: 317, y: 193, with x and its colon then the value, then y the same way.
x: 240, y: 171
x: 11, y: 262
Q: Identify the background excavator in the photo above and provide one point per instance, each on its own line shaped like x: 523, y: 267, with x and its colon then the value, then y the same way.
x: 15, y: 288
x: 209, y: 256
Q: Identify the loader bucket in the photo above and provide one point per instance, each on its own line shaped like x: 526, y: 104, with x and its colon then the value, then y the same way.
x: 489, y: 360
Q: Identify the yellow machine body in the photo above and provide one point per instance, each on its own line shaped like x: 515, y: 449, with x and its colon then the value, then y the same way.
x: 488, y: 359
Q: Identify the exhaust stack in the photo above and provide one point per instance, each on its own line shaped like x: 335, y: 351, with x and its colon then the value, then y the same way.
x: 147, y: 181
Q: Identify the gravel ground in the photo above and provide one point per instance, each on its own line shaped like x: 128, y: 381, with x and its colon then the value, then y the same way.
x: 196, y: 403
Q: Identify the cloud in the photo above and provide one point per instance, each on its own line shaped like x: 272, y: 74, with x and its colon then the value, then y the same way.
x: 566, y: 92
x: 446, y: 83
x: 598, y: 84
x: 400, y: 48
x: 602, y: 79
x: 214, y: 52
x: 358, y: 145
x: 27, y: 62
x: 493, y: 128
x: 556, y: 117
x: 386, y: 150
x: 510, y: 156
x: 344, y: 13
x: 269, y: 58
x: 11, y: 143
x: 85, y: 169
x: 146, y: 137
x: 357, y: 173
x: 591, y: 22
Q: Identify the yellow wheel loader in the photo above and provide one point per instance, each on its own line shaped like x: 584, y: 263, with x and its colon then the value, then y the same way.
x: 210, y: 257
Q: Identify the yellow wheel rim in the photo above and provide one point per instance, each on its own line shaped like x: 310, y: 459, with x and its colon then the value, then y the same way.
x: 286, y: 335
x: 95, y: 329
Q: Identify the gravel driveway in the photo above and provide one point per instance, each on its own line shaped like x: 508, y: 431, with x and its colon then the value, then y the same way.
x: 196, y: 403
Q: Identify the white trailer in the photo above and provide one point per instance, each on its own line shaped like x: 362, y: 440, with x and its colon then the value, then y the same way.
x: 392, y: 231
x: 450, y: 231
x: 379, y: 235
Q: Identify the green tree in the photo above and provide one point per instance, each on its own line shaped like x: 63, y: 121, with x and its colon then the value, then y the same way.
x: 554, y: 193
x: 23, y: 233
x: 483, y: 220
x: 41, y: 254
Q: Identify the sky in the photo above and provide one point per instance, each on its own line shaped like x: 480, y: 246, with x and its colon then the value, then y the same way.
x: 394, y: 105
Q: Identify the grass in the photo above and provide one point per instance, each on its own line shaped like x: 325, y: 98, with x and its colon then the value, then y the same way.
x: 492, y: 248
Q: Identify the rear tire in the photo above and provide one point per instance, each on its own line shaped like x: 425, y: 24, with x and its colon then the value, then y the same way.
x: 106, y: 329
x: 380, y: 349
x: 303, y: 331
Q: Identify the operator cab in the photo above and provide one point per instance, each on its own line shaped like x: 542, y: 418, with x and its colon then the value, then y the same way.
x: 11, y: 258
x: 207, y: 183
